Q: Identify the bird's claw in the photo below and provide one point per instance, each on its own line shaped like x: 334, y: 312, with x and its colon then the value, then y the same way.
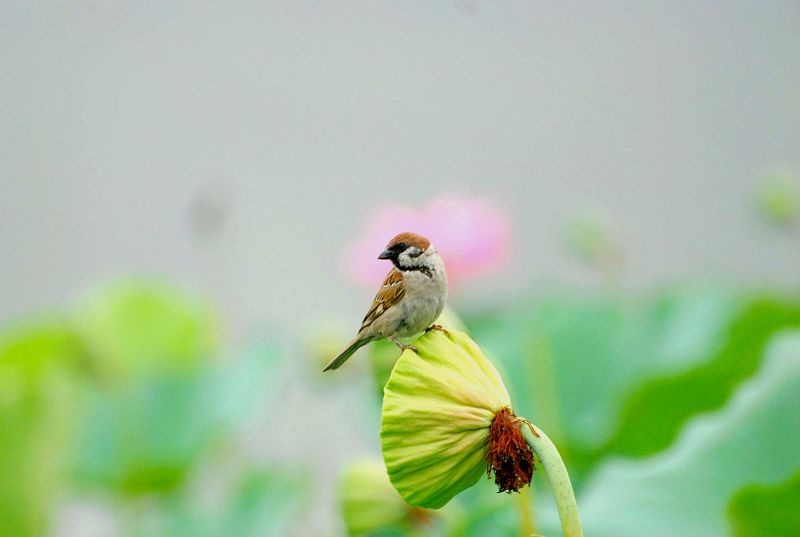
x: 403, y: 346
x: 437, y: 327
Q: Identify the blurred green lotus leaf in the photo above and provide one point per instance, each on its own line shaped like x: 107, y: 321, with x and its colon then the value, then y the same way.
x: 655, y: 412
x: 604, y: 375
x: 438, y: 407
x: 145, y: 424
x: 258, y: 501
x: 263, y: 503
x: 149, y: 435
x: 134, y: 327
x: 29, y: 352
x: 146, y: 438
x: 766, y: 510
x: 38, y: 365
x: 686, y: 489
x: 368, y: 500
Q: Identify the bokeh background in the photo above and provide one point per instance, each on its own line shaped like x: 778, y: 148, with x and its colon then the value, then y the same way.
x: 192, y: 196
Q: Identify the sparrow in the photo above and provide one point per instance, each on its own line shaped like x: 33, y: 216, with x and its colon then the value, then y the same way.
x: 409, y: 301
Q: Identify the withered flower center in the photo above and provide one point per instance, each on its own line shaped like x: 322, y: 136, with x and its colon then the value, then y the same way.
x: 509, y: 456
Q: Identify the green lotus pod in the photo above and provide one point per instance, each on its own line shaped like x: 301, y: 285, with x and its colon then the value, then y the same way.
x: 447, y: 419
x: 384, y: 354
x: 439, y: 407
x: 368, y: 500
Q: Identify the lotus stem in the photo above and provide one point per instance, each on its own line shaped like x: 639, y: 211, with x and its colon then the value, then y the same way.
x: 558, y: 477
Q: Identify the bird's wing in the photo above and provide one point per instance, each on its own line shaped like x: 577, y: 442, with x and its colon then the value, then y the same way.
x: 389, y: 294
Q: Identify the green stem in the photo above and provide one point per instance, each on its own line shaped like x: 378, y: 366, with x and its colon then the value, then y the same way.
x: 526, y: 526
x: 559, y: 479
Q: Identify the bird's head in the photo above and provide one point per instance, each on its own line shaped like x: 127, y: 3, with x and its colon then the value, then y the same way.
x: 409, y: 250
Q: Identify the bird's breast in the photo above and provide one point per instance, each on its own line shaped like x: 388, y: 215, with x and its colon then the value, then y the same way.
x: 423, y: 302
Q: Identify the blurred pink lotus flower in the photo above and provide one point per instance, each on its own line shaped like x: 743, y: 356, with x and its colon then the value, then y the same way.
x: 472, y: 236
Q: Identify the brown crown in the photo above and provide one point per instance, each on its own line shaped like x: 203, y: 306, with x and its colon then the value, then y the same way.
x: 410, y: 239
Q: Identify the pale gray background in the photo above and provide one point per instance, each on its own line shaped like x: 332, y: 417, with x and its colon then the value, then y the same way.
x: 236, y: 148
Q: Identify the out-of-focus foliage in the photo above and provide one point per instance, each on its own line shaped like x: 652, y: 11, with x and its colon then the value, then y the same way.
x: 685, y: 489
x: 259, y: 502
x: 150, y: 422
x: 612, y: 376
x: 147, y: 328
x: 38, y: 365
x: 655, y: 412
x: 147, y: 438
x: 124, y: 398
x: 125, y: 448
x: 766, y: 510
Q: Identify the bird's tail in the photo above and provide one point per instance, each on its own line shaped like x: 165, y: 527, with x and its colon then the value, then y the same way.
x: 357, y: 343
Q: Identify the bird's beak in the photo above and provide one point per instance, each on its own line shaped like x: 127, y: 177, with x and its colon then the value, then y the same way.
x: 387, y: 254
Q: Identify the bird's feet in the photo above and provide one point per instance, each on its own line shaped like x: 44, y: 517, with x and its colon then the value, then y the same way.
x: 402, y: 346
x: 436, y: 327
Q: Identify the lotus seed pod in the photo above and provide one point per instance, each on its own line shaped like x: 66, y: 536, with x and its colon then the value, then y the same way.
x: 437, y: 432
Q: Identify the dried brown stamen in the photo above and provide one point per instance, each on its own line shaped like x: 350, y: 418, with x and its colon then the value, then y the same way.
x: 509, y: 456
